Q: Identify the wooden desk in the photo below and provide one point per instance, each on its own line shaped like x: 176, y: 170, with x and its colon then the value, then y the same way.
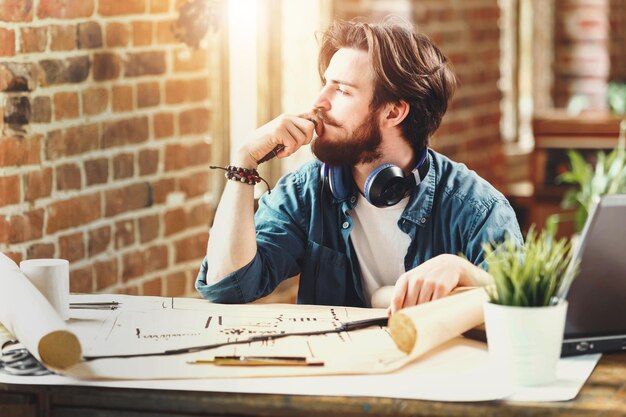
x: 604, y: 394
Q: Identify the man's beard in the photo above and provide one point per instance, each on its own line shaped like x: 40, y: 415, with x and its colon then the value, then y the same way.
x: 363, y: 146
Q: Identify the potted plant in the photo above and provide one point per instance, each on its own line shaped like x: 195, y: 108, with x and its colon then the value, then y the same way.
x: 524, y: 314
x: 608, y: 176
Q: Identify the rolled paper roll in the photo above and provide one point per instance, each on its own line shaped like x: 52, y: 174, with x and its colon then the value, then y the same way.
x: 416, y: 330
x: 28, y: 315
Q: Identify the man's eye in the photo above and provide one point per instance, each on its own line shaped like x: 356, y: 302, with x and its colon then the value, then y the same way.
x: 342, y: 91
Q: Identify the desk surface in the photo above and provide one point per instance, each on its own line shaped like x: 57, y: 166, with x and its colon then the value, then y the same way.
x: 604, y: 394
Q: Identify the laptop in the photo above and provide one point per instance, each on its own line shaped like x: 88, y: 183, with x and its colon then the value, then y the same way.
x: 596, y: 315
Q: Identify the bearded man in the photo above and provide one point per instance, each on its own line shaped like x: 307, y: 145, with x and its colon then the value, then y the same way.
x: 377, y: 208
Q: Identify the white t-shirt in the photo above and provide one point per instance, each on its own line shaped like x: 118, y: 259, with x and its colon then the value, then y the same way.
x: 379, y: 244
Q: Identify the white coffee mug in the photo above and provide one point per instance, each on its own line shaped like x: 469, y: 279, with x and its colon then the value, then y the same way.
x: 52, y: 278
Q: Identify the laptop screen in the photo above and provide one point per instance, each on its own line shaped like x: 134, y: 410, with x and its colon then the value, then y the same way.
x: 597, y: 297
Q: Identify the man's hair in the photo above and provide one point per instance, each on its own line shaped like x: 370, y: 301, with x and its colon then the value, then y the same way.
x: 407, y: 66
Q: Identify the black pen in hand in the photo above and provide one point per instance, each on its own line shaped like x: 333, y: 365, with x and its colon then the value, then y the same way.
x: 278, y: 148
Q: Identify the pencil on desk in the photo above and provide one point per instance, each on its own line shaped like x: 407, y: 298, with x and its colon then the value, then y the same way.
x: 257, y: 361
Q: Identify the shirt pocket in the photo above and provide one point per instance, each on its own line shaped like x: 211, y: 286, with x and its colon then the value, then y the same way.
x: 324, y: 276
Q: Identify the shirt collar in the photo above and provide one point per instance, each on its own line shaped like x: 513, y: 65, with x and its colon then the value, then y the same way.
x: 420, y: 205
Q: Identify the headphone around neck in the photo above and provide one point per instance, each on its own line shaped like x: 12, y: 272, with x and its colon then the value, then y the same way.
x: 384, y: 187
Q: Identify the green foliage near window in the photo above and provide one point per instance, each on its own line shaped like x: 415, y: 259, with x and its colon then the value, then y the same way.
x: 607, y: 177
x: 532, y: 275
x: 616, y: 97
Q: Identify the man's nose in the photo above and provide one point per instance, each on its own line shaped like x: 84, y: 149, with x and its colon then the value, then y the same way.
x: 322, y: 102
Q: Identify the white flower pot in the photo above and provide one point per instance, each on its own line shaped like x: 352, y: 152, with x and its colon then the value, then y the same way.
x: 525, y: 342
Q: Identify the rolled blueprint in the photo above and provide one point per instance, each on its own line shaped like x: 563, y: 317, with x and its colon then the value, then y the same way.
x: 416, y: 330
x: 26, y: 313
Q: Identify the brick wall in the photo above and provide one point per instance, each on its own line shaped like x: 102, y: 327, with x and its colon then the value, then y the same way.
x: 581, y: 51
x: 467, y: 32
x: 104, y: 122
x: 617, y: 22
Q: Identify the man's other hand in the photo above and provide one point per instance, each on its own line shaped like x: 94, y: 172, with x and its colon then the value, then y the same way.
x: 435, y: 279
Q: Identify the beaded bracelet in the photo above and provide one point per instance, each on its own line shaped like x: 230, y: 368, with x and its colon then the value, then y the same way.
x: 245, y: 175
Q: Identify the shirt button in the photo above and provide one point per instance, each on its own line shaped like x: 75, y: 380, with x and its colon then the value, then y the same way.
x: 423, y: 220
x: 345, y: 225
x: 353, y: 199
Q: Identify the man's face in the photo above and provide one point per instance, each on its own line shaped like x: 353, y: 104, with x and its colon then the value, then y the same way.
x: 351, y: 131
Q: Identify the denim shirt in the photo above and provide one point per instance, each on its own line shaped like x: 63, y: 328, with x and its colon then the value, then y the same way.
x: 301, y: 228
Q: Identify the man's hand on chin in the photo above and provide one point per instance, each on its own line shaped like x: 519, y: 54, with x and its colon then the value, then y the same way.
x: 435, y: 279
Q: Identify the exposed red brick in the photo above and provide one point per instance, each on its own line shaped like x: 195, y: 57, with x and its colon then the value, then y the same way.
x: 125, y: 132
x: 148, y: 94
x: 129, y: 198
x: 95, y: 101
x: 72, y: 247
x: 132, y: 265
x: 38, y: 184
x: 156, y: 258
x: 25, y: 227
x: 162, y: 188
x: 41, y: 110
x: 148, y: 228
x: 40, y: 251
x: 194, y: 121
x: 18, y: 151
x: 16, y: 11
x: 98, y: 240
x: 33, y: 39
x: 7, y: 42
x: 194, y: 184
x: 124, y: 233
x: 200, y: 215
x: 73, y: 212
x: 116, y: 34
x: 17, y: 76
x: 163, y: 125
x: 191, y: 248
x: 17, y: 110
x: 65, y: 106
x: 62, y: 38
x: 81, y: 280
x: 122, y: 98
x: 65, y: 9
x: 10, y: 190
x: 68, y: 177
x: 191, y: 60
x: 123, y: 166
x: 144, y: 63
x: 5, y: 226
x: 105, y: 273
x: 176, y: 285
x: 198, y: 154
x: 89, y: 35
x: 159, y: 6
x: 59, y: 71
x: 165, y: 34
x: 142, y: 33
x: 97, y: 171
x: 152, y: 287
x: 131, y: 290
x: 175, y: 157
x: 72, y: 141
x: 180, y: 91
x: 148, y: 161
x: 16, y: 257
x: 106, y: 66
x: 175, y: 221
x: 117, y: 7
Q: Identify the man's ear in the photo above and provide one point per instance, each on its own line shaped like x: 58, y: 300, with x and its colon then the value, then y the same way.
x: 396, y: 112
